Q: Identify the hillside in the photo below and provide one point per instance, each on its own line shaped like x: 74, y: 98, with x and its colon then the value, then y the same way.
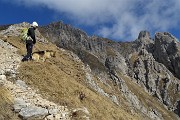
x: 90, y: 77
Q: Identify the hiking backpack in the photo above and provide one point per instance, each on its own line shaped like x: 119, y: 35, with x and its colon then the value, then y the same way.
x: 24, y: 35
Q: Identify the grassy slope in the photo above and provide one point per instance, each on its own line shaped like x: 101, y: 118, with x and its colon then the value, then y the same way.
x: 6, y: 112
x: 61, y: 79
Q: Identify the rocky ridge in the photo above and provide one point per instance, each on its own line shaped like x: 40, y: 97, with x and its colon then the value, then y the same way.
x: 151, y: 63
x: 155, y: 72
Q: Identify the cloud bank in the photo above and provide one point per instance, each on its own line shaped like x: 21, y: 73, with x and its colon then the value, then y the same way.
x: 116, y: 19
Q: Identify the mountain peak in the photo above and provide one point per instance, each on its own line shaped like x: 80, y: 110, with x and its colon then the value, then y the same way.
x: 144, y: 35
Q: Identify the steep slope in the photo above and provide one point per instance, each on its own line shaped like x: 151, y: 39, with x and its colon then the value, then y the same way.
x: 140, y: 61
x: 65, y: 81
x: 24, y: 99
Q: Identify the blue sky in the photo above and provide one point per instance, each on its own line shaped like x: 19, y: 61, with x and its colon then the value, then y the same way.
x: 119, y: 20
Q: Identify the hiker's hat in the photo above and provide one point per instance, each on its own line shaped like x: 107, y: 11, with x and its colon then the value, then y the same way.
x: 34, y: 24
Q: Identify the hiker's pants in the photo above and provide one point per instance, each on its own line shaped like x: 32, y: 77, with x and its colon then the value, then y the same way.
x: 29, y: 47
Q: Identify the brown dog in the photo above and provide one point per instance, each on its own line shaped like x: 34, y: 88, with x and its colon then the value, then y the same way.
x: 43, y: 55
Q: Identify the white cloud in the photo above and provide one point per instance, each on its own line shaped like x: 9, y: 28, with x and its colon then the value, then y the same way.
x: 127, y: 17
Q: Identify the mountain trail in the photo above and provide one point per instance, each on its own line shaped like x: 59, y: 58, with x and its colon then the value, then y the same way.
x: 27, y: 102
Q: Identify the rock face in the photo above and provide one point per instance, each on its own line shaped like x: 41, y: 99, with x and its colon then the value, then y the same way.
x: 157, y: 70
x: 155, y: 77
x: 151, y: 63
x: 80, y: 43
x: 167, y: 52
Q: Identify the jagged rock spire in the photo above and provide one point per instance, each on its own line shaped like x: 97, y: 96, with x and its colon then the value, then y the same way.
x: 167, y: 51
x: 144, y: 35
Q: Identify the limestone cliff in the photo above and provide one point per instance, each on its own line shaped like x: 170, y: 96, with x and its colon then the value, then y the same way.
x: 152, y: 63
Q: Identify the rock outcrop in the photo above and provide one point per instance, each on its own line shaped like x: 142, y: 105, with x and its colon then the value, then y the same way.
x: 144, y: 35
x: 157, y: 69
x: 167, y: 52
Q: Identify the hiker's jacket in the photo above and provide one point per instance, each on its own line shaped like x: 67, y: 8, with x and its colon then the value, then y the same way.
x: 31, y: 33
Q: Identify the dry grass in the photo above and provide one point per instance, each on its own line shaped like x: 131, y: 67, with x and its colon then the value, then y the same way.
x: 6, y: 112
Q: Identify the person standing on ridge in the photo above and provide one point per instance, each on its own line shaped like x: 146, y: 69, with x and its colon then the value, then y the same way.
x: 30, y: 41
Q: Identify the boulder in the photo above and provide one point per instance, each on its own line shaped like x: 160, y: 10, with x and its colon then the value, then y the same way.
x: 19, y: 104
x: 33, y: 111
x: 21, y: 84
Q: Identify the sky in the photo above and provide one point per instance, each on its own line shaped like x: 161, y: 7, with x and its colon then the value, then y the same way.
x: 119, y: 20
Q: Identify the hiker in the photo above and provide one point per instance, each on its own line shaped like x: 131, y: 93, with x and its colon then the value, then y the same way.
x: 30, y: 41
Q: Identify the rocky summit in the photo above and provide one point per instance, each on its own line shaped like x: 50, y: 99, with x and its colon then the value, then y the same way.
x: 91, y: 78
